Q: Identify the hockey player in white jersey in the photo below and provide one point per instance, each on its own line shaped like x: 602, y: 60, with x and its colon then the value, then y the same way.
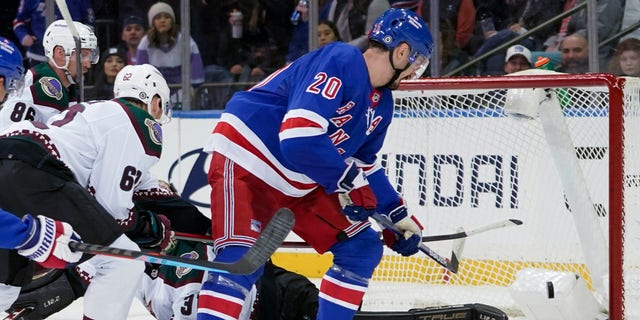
x: 107, y: 148
x: 50, y: 87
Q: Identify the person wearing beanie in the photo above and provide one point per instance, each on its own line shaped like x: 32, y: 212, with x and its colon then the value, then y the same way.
x: 161, y: 48
x: 112, y: 61
x: 133, y: 29
x: 160, y: 7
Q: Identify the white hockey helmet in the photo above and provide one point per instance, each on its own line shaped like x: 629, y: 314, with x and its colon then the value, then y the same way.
x: 59, y: 34
x: 143, y: 82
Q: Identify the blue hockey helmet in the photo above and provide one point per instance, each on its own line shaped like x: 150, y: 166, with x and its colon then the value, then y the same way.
x: 11, y: 67
x: 396, y: 26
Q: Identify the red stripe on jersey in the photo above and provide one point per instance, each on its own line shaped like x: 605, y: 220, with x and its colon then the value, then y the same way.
x: 292, y: 123
x: 336, y: 291
x: 218, y: 304
x: 232, y: 134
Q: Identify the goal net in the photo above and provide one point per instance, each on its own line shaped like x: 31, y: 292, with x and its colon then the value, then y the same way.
x: 570, y: 172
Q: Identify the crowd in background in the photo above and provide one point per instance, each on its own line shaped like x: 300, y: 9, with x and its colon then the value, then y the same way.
x: 236, y: 43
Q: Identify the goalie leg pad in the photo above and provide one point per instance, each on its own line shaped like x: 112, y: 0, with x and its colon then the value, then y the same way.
x: 48, y: 298
x: 471, y: 311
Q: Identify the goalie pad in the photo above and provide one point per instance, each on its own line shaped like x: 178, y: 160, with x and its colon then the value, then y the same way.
x: 470, y: 311
x: 553, y: 295
x: 50, y: 291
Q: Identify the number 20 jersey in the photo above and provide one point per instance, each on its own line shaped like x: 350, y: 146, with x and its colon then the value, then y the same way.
x: 296, y: 129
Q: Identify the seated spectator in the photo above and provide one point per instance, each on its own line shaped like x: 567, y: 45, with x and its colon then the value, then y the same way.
x: 626, y: 60
x: 133, y: 29
x: 575, y: 54
x: 29, y: 24
x: 355, y: 17
x: 327, y: 33
x: 518, y: 58
x: 631, y: 16
x: 458, y: 41
x: 162, y: 48
x: 111, y: 62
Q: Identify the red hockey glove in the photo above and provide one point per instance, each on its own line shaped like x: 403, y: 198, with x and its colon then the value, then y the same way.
x: 48, y: 242
x: 356, y: 197
x: 407, y: 244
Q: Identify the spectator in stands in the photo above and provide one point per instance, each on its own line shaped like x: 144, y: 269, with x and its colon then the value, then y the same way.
x: 355, y: 17
x: 139, y: 8
x: 518, y: 58
x: 630, y: 17
x: 111, y: 62
x: 106, y: 23
x: 327, y: 33
x: 162, y: 48
x: 30, y: 23
x: 252, y: 55
x: 499, y: 25
x: 299, y: 44
x: 133, y: 29
x: 8, y: 11
x: 552, y: 43
x: 609, y: 18
x: 575, y: 54
x: 532, y: 13
x: 626, y: 60
x: 458, y: 41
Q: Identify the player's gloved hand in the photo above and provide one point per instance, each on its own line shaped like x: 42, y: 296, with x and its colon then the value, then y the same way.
x: 168, y: 241
x: 152, y: 231
x: 408, y: 243
x: 356, y: 197
x: 48, y: 242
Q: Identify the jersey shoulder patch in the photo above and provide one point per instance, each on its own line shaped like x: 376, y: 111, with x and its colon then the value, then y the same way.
x: 149, y: 131
x: 47, y: 89
x: 179, y: 276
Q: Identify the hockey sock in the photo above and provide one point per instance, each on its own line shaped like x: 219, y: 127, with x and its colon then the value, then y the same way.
x: 222, y: 295
x: 345, y: 283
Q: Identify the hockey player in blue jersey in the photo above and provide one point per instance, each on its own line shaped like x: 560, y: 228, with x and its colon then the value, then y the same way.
x: 306, y: 138
x: 31, y: 237
x: 11, y: 69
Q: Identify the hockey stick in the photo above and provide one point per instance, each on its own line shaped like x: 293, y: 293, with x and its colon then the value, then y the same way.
x: 440, y: 237
x: 464, y: 234
x: 21, y: 313
x: 450, y: 264
x: 269, y: 240
x: 64, y: 10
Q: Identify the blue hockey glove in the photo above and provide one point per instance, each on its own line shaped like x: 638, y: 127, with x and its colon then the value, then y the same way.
x: 48, y: 242
x: 408, y: 243
x: 356, y: 197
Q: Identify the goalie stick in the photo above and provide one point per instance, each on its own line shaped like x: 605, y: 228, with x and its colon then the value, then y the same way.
x: 449, y: 264
x: 440, y: 237
x: 23, y: 313
x: 64, y: 10
x: 269, y: 240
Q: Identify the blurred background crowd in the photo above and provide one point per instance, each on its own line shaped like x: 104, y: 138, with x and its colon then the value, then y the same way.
x: 230, y: 45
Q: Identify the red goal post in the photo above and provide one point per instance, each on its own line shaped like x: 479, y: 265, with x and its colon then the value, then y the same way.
x: 460, y: 160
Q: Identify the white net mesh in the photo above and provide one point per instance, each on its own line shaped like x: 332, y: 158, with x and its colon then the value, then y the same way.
x: 461, y: 162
